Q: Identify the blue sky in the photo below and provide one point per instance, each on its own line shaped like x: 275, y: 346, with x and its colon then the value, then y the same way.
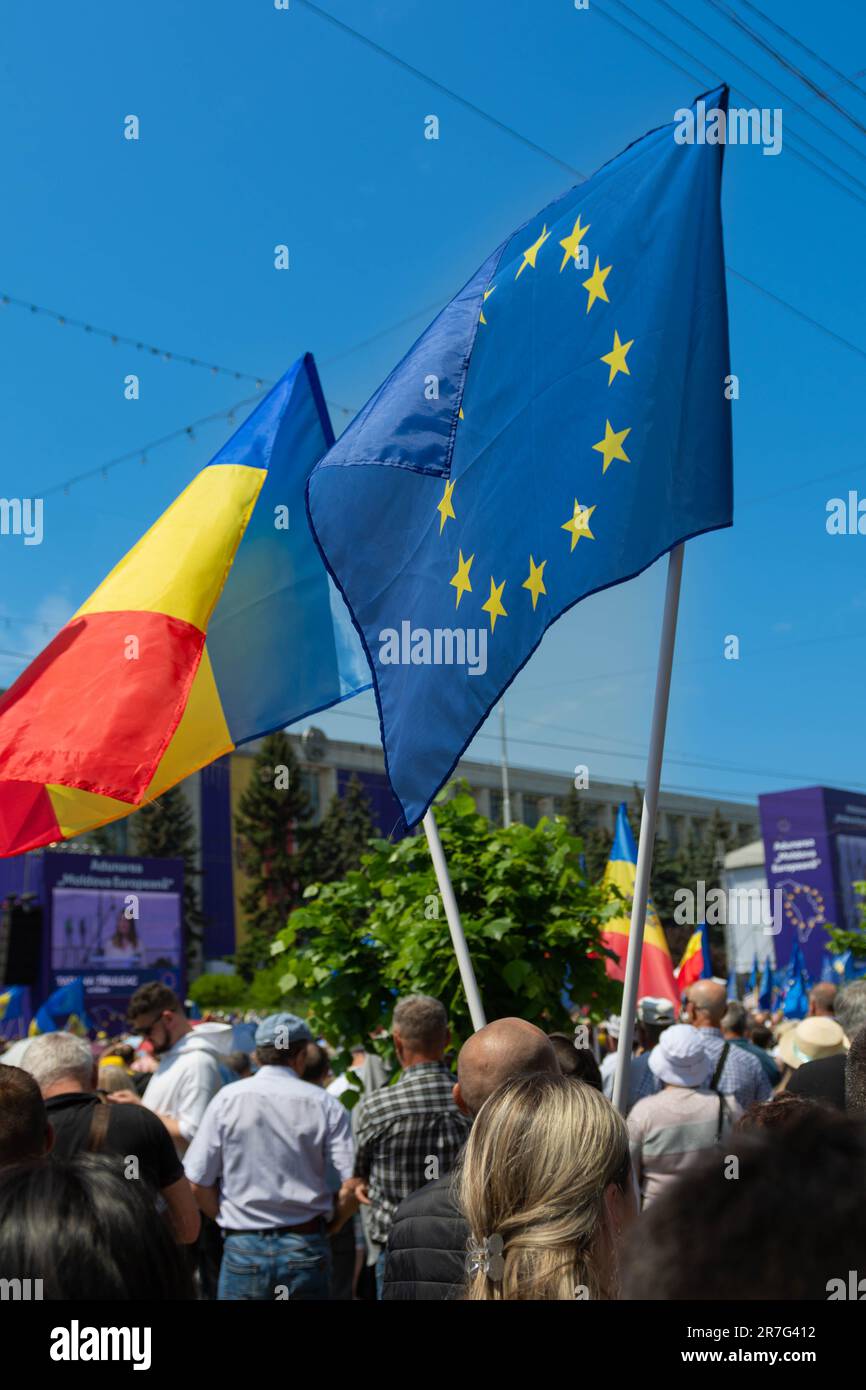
x: 261, y: 127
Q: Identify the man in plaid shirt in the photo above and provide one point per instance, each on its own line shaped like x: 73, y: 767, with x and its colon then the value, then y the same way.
x: 411, y: 1132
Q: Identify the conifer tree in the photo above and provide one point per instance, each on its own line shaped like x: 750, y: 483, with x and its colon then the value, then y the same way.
x: 273, y: 824
x: 342, y: 837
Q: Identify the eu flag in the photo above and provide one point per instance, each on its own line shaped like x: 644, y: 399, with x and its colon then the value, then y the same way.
x: 561, y: 425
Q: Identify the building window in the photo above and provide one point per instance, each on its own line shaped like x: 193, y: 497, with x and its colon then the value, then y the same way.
x: 531, y: 809
x: 496, y: 807
x: 310, y: 784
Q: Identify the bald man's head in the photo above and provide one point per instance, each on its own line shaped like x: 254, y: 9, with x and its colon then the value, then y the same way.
x: 708, y: 1000
x: 505, y: 1048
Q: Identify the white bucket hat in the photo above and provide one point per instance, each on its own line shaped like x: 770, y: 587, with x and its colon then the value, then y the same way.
x: 679, y: 1058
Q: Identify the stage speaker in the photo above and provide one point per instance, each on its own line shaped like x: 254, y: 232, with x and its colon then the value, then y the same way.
x: 20, y: 945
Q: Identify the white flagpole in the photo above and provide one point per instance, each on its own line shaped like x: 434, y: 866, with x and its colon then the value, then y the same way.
x: 452, y: 912
x: 647, y: 829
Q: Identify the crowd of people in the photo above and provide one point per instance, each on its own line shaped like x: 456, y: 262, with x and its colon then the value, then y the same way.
x: 172, y: 1166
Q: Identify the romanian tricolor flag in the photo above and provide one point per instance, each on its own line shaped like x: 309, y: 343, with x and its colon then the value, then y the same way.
x: 656, y: 966
x: 696, y: 963
x: 219, y: 626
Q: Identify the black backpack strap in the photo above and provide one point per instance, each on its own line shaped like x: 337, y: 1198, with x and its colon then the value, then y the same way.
x: 720, y: 1067
x: 714, y: 1086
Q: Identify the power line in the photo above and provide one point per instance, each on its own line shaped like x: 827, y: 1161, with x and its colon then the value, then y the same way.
x: 763, y: 78
x: 557, y: 747
x: 831, y: 333
x: 843, y: 79
x: 67, y: 321
x: 440, y: 86
x: 564, y: 164
x: 804, y: 159
x: 733, y: 18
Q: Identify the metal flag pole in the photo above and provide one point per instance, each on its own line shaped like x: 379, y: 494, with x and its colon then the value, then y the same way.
x: 452, y: 912
x: 647, y: 829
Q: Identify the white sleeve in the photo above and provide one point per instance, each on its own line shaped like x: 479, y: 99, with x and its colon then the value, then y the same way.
x: 200, y: 1084
x: 202, y: 1162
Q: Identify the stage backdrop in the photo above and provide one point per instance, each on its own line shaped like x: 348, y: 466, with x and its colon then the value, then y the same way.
x: 815, y: 849
x: 116, y: 921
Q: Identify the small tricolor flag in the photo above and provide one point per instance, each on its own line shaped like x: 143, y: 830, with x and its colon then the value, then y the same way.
x: 656, y: 966
x: 63, y: 1010
x: 218, y: 626
x: 696, y: 963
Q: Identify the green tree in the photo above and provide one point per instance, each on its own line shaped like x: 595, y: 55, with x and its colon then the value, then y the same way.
x: 532, y: 921
x: 854, y: 940
x: 597, y: 839
x: 342, y: 837
x: 164, y: 829
x: 273, y: 826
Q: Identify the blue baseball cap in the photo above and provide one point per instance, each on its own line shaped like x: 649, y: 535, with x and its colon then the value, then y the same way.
x: 281, y: 1030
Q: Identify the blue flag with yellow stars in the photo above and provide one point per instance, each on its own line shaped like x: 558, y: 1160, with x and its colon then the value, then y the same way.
x: 563, y: 423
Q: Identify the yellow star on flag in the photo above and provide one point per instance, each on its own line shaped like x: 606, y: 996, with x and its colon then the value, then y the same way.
x: 572, y: 243
x: 493, y: 606
x: 535, y: 582
x: 461, y: 579
x: 615, y: 359
x: 578, y: 524
x: 487, y: 294
x: 460, y: 416
x: 444, y: 508
x: 611, y: 446
x: 532, y: 251
x: 595, y: 285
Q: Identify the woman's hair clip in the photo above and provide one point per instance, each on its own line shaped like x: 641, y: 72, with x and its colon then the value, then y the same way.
x: 485, y: 1257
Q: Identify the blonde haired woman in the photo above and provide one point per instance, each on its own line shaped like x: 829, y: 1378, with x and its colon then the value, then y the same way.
x: 546, y: 1187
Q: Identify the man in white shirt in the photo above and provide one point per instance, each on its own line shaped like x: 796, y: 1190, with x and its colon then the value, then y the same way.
x: 265, y: 1164
x: 188, y: 1075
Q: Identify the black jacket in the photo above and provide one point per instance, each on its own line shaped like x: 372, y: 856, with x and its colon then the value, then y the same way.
x: 427, y: 1246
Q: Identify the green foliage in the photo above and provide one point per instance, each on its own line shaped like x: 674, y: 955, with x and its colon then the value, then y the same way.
x: 273, y: 826
x: 234, y: 994
x: 532, y: 924
x: 853, y: 941
x: 164, y: 829
x: 218, y: 992
x: 596, y: 839
x: 343, y: 836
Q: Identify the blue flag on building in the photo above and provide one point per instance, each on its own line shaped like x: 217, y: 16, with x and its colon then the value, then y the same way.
x: 796, y: 1001
x: 765, y: 997
x: 560, y: 426
x: 63, y: 1011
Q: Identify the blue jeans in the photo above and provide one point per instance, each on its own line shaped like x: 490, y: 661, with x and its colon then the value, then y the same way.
x: 380, y: 1273
x: 268, y: 1267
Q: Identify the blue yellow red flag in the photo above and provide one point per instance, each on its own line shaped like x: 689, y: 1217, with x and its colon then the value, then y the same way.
x: 656, y: 967
x: 220, y: 625
x: 562, y: 424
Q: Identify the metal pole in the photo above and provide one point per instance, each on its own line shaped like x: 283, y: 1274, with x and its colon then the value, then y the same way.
x: 647, y: 828
x: 452, y: 912
x: 506, y: 795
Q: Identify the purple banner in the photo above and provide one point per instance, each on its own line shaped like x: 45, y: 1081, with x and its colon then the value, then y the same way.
x: 815, y: 849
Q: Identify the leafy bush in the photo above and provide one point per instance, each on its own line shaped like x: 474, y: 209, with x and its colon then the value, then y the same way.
x: 532, y: 924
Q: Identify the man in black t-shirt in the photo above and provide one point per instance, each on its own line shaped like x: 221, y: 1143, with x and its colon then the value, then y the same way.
x: 84, y: 1121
